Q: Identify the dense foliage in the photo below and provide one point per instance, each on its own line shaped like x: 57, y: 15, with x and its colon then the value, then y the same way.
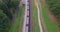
x: 4, y: 22
x: 54, y: 6
x: 5, y: 13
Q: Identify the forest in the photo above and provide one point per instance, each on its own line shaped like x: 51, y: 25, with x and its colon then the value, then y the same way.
x: 7, y: 10
x: 54, y: 7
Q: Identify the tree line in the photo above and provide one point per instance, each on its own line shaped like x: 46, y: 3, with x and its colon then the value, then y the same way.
x: 7, y: 10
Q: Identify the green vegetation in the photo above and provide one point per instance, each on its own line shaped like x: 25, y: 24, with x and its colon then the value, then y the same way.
x: 4, y: 22
x: 50, y: 26
x: 35, y: 18
x: 14, y: 3
x: 54, y: 6
x: 6, y: 15
x: 18, y: 24
x: 36, y: 25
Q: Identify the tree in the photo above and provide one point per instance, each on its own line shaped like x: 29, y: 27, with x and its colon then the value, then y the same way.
x: 4, y: 22
x: 5, y: 9
x: 15, y: 3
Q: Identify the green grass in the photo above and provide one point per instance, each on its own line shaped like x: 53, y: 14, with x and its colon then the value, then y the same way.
x: 35, y: 15
x: 18, y: 24
x: 51, y: 27
x: 36, y: 25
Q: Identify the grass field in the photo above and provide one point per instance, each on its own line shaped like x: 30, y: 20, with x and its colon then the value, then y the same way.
x: 35, y: 17
x: 51, y: 27
x: 19, y: 21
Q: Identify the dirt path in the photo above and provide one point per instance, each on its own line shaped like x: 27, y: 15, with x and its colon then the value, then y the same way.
x: 42, y: 19
x: 39, y: 20
x: 25, y: 18
x: 31, y: 16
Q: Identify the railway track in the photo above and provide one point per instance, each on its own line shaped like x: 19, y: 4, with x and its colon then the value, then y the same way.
x: 28, y: 19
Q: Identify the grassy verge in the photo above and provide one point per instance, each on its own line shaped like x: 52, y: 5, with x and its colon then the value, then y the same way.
x: 51, y: 27
x: 18, y: 24
x: 35, y: 15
